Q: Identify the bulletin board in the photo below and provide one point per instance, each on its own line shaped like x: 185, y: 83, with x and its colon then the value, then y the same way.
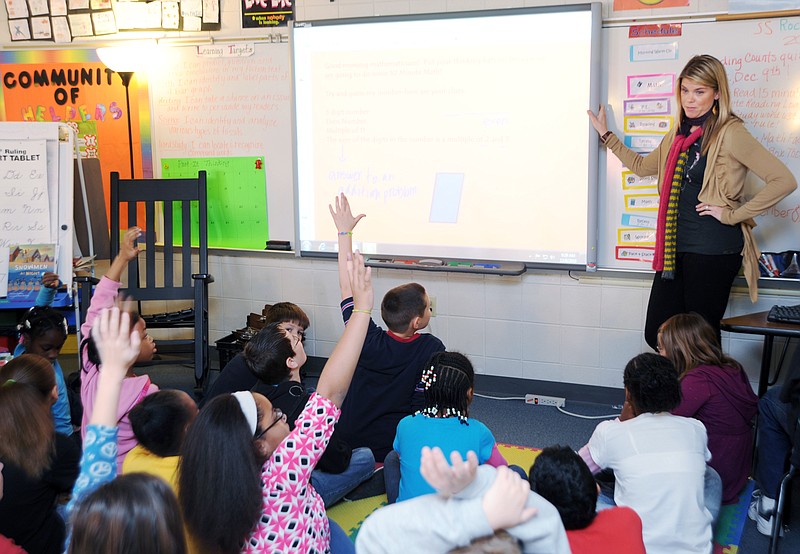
x: 229, y: 102
x: 762, y: 59
x: 237, y: 200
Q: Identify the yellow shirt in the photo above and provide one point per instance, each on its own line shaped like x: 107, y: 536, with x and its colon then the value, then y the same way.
x: 141, y: 460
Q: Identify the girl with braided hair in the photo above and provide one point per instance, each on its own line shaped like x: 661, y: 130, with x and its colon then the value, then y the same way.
x: 448, y: 379
x: 43, y: 331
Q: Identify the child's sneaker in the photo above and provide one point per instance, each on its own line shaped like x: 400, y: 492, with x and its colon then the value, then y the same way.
x: 760, y: 511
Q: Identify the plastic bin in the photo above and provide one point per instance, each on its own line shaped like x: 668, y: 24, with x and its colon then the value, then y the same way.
x: 228, y: 347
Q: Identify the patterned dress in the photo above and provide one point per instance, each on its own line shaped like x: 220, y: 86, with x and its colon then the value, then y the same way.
x: 293, y: 515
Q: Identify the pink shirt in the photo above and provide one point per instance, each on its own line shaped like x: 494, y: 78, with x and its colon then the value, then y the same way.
x: 293, y: 515
x: 134, y: 389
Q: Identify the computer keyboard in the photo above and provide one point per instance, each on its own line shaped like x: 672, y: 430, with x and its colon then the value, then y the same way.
x: 784, y: 314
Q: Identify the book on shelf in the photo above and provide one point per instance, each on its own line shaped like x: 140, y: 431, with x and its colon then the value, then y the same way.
x: 27, y: 263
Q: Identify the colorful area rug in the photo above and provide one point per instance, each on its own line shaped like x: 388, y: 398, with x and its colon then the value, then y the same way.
x: 350, y: 515
x: 730, y: 525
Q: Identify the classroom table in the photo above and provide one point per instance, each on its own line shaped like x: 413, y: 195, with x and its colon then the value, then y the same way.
x: 757, y: 324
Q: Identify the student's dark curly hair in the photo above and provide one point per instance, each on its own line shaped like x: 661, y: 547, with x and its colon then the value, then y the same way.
x: 448, y: 378
x: 91, y: 348
x: 266, y: 354
x: 402, y: 304
x: 219, y: 477
x: 132, y: 513
x: 652, y: 382
x: 287, y: 312
x: 40, y: 320
x: 562, y: 478
x: 160, y: 420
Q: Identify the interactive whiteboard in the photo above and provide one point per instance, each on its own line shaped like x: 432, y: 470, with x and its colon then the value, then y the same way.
x: 460, y: 135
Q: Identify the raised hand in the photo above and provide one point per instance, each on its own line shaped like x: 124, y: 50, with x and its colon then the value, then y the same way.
x: 504, y: 502
x: 50, y: 280
x: 116, y: 343
x: 360, y: 283
x: 342, y: 216
x: 445, y: 478
x: 599, y: 120
x: 129, y: 250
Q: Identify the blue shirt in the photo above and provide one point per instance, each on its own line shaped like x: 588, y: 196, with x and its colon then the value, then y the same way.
x: 449, y: 434
x: 61, y: 414
x: 98, y: 466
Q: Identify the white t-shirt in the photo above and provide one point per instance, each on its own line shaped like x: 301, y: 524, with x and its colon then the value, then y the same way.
x: 659, y: 463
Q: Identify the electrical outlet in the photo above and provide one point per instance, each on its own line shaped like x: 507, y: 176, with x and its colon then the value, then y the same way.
x: 541, y: 400
x: 433, y: 306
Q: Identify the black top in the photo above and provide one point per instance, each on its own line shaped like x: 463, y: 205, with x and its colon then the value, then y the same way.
x: 383, y: 388
x: 27, y: 510
x: 702, y: 234
x: 291, y: 397
x: 235, y: 376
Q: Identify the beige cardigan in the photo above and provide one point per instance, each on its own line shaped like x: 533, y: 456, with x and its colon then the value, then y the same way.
x: 734, y: 152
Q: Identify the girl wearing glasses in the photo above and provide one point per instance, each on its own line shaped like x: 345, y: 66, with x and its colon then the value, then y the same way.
x: 244, y: 477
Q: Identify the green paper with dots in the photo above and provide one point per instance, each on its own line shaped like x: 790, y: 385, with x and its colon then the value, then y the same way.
x: 237, y: 199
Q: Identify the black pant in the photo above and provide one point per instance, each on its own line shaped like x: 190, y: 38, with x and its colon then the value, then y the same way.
x: 702, y: 284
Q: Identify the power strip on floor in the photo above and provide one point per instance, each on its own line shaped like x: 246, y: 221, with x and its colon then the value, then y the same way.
x: 541, y: 400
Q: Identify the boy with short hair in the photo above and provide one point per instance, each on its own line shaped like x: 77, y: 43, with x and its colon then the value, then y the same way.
x: 386, y: 385
x: 561, y: 477
x: 264, y: 349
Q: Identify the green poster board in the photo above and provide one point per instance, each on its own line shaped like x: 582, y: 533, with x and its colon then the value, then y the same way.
x: 237, y: 199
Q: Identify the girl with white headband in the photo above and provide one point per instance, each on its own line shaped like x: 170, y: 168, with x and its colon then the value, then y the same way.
x: 244, y: 477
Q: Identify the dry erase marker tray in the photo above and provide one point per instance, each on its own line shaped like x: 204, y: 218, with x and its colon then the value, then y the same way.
x: 444, y: 264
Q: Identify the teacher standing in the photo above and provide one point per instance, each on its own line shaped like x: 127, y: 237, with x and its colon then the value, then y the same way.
x: 704, y: 233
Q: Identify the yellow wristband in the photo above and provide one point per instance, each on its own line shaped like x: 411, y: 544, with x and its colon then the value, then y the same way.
x: 355, y: 311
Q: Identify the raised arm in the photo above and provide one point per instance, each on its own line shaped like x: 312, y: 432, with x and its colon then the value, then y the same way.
x: 640, y: 165
x: 118, y: 347
x: 127, y: 252
x: 345, y: 223
x: 338, y: 371
x: 50, y: 284
x: 106, y: 291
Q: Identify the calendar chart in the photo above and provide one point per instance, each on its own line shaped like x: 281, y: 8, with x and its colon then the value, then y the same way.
x: 237, y: 198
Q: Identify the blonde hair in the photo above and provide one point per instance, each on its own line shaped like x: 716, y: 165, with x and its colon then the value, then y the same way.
x: 708, y: 71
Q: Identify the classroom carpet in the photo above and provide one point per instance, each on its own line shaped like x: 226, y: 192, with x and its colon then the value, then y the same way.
x: 350, y: 515
x: 728, y: 534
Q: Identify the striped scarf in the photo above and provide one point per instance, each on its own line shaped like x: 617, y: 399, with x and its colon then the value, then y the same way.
x: 667, y: 226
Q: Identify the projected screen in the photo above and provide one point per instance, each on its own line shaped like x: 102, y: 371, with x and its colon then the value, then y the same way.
x: 459, y: 135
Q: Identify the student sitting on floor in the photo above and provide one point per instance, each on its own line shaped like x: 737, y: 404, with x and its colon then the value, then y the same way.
x: 40, y: 464
x: 387, y: 385
x: 444, y: 422
x: 159, y: 423
x: 716, y: 391
x: 244, y: 475
x: 658, y: 460
x: 134, y: 387
x: 282, y: 356
x: 560, y: 476
x: 131, y: 513
x: 471, y: 502
x: 43, y: 331
x: 240, y: 372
